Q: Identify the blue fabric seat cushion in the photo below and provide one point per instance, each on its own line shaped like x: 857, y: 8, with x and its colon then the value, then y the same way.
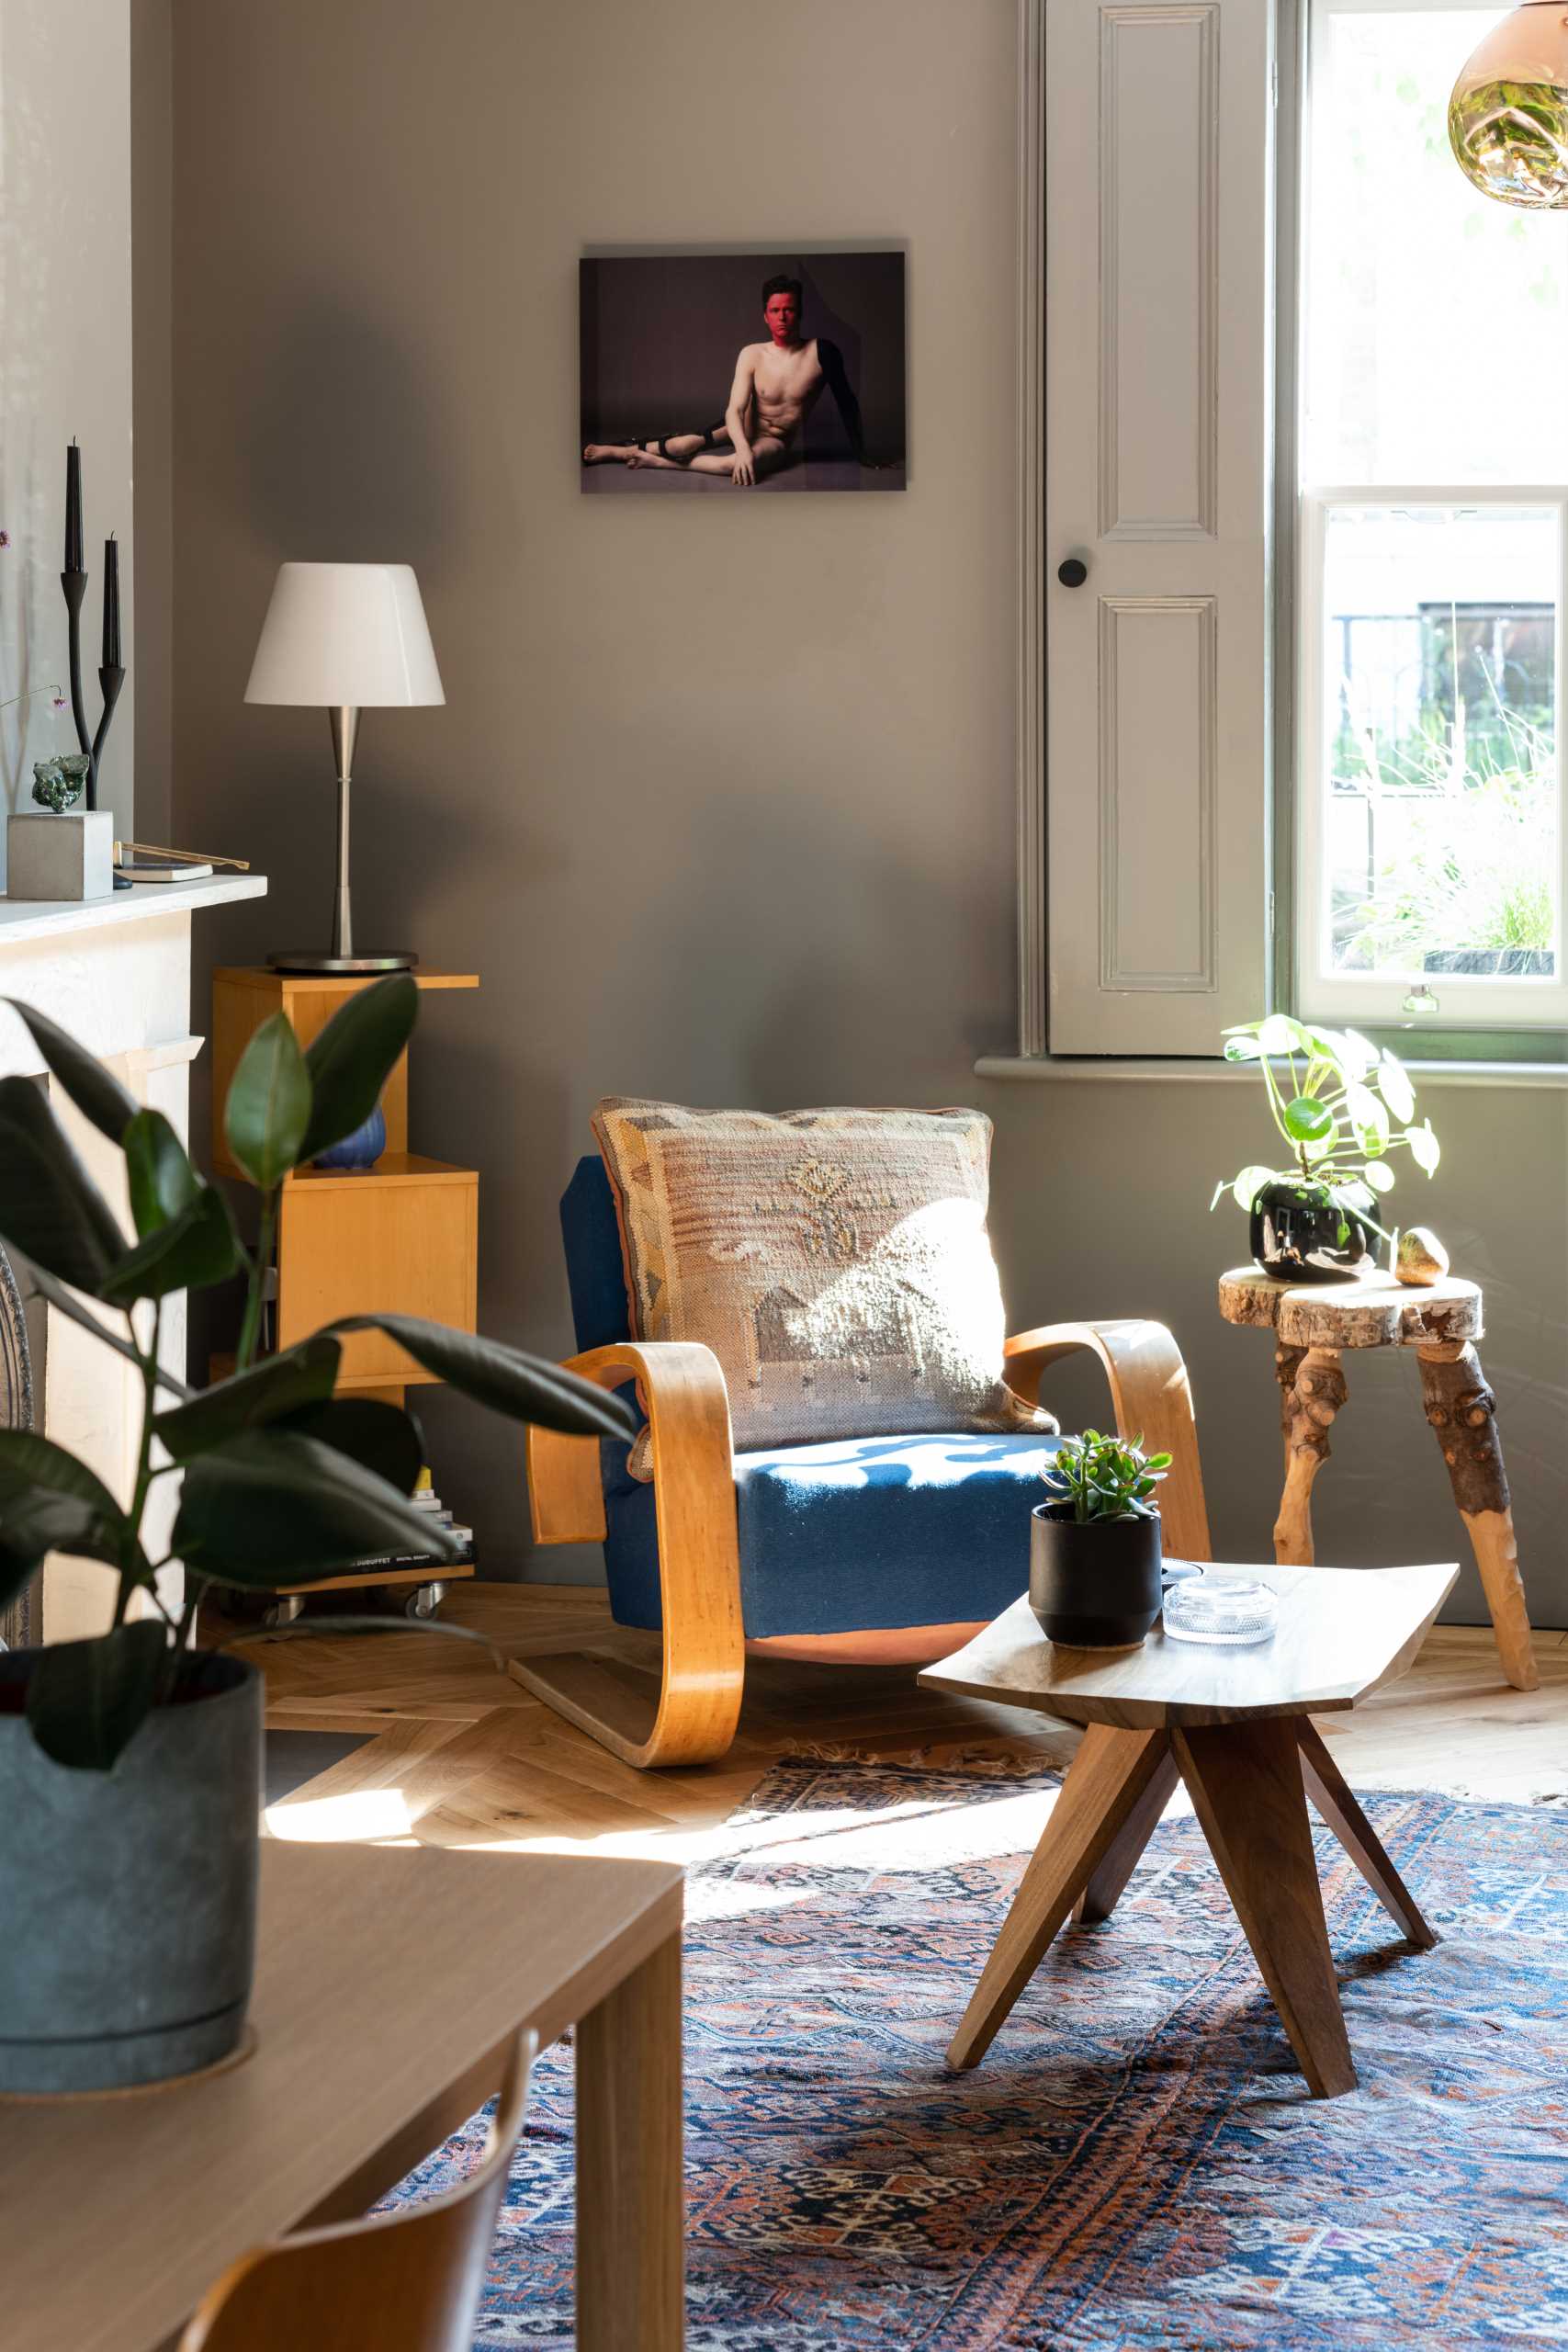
x: 854, y: 1534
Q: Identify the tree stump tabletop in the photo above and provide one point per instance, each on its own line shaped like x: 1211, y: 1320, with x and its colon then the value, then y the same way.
x: 1363, y: 1311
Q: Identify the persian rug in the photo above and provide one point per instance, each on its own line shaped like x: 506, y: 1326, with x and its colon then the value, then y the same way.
x: 1136, y: 2166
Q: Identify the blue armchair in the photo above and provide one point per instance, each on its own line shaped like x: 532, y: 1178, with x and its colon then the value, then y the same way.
x: 868, y: 1551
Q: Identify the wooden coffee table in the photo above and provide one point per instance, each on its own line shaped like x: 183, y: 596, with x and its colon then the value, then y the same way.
x: 1235, y: 1724
x: 391, y: 1983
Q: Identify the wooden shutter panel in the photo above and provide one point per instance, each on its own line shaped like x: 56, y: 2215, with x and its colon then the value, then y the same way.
x: 1158, y: 226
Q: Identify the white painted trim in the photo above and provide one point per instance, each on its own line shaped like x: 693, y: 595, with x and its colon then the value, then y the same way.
x: 43, y: 918
x: 1034, y: 1070
x: 1204, y: 610
x: 171, y: 1052
x: 1203, y: 524
x: 1032, y: 527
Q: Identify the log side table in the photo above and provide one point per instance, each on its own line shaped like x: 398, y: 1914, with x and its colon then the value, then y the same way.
x: 1315, y: 1323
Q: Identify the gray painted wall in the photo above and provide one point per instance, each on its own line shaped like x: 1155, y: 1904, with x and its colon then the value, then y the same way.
x: 151, y: 164
x: 721, y: 801
x: 64, y: 369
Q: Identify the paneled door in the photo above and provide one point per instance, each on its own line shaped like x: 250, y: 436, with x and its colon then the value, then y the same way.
x: 1158, y: 145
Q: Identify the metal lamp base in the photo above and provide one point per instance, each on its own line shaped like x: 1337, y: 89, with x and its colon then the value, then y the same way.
x: 397, y: 960
x: 343, y: 960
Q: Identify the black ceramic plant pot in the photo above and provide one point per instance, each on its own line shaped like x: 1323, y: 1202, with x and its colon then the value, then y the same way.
x: 1095, y: 1584
x: 128, y: 1897
x: 1300, y: 1235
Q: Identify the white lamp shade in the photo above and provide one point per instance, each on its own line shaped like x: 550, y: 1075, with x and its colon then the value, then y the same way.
x: 346, y: 635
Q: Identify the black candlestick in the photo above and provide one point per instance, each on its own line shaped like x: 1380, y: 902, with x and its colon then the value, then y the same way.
x: 111, y: 604
x: 111, y: 677
x: 74, y: 583
x: 76, y: 553
x: 111, y: 672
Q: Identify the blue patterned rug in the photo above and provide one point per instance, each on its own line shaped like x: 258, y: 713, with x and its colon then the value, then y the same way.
x: 1136, y: 2166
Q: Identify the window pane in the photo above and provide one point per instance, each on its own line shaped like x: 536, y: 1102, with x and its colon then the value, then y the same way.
x: 1438, y: 769
x: 1436, y: 321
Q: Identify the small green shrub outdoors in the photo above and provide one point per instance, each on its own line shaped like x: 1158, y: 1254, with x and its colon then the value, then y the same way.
x: 283, y: 1482
x: 1336, y: 1101
x: 1104, y: 1478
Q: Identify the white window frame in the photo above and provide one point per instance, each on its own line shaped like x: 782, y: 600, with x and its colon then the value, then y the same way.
x: 1467, y: 1002
x: 1465, y: 999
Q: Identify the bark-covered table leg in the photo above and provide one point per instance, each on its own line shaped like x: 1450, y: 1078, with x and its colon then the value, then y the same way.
x: 1463, y: 1410
x: 1313, y: 1382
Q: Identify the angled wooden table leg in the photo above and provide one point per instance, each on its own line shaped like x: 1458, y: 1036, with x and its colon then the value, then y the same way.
x: 1104, y: 1889
x: 1335, y: 1802
x: 1108, y: 1777
x: 630, y: 2195
x: 1316, y: 1394
x: 1247, y: 1791
x: 1462, y: 1411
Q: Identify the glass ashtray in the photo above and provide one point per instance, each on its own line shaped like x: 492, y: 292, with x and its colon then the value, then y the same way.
x: 1229, y: 1613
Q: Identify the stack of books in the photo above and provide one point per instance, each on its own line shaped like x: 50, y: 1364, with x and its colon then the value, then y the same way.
x: 425, y: 1498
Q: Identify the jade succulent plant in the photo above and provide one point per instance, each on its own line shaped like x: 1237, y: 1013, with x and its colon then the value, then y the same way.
x: 1341, y: 1106
x: 58, y: 783
x: 1104, y: 1478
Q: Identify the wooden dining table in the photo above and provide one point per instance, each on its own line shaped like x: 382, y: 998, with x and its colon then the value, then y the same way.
x: 390, y: 1984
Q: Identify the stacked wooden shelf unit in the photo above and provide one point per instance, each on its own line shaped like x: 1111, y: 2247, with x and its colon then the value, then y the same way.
x: 401, y: 1237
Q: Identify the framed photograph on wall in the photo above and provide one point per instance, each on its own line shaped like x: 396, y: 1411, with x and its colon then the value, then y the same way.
x: 702, y: 372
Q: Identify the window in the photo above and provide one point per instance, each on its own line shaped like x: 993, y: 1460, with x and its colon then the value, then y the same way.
x: 1432, y: 541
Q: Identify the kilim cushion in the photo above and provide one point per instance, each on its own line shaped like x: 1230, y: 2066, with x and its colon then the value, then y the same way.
x: 836, y: 1262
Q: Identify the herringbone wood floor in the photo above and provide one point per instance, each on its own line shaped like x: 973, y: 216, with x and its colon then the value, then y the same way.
x: 459, y: 1755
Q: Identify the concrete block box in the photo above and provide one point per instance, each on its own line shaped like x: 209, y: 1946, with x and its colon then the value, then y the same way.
x: 65, y: 856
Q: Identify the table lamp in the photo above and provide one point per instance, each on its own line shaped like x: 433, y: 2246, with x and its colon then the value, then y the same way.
x: 346, y: 636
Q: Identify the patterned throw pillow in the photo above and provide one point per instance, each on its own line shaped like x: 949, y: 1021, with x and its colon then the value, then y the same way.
x: 836, y: 1262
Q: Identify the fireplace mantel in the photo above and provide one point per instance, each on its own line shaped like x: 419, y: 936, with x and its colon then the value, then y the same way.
x: 115, y: 973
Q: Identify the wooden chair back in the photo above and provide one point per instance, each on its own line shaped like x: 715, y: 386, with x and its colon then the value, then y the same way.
x: 395, y: 2282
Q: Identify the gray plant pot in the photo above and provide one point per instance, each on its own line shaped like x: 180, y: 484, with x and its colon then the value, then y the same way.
x: 128, y: 1898
x: 1094, y: 1586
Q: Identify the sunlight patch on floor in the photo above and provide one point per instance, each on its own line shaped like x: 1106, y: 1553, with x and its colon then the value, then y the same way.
x: 917, y: 1836
x: 357, y: 1817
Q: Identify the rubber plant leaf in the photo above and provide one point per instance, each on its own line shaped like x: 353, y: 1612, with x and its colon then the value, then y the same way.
x: 158, y: 1169
x: 523, y: 1387
x: 87, y: 1699
x: 272, y: 1500
x: 277, y: 1386
x: 49, y: 1208
x: 269, y: 1104
x: 351, y: 1058
x: 97, y: 1093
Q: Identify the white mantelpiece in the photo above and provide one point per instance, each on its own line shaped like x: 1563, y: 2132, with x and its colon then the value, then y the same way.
x: 115, y: 973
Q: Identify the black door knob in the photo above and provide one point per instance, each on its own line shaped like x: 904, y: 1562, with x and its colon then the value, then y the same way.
x: 1073, y: 573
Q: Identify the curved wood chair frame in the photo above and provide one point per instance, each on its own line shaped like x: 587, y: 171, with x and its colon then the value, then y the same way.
x: 1151, y: 1398
x: 403, y: 2282
x: 693, y: 1721
x: 681, y: 1389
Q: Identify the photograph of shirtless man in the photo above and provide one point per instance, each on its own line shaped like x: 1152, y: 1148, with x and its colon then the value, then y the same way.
x: 776, y: 384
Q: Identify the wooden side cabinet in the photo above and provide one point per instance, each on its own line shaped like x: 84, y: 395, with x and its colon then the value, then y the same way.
x: 401, y: 1237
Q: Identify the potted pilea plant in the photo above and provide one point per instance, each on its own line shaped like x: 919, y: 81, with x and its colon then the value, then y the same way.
x: 1341, y: 1106
x: 130, y: 1764
x: 1094, y: 1559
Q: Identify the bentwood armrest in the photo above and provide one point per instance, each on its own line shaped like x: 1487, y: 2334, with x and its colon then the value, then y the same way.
x: 681, y: 1389
x: 1150, y: 1396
